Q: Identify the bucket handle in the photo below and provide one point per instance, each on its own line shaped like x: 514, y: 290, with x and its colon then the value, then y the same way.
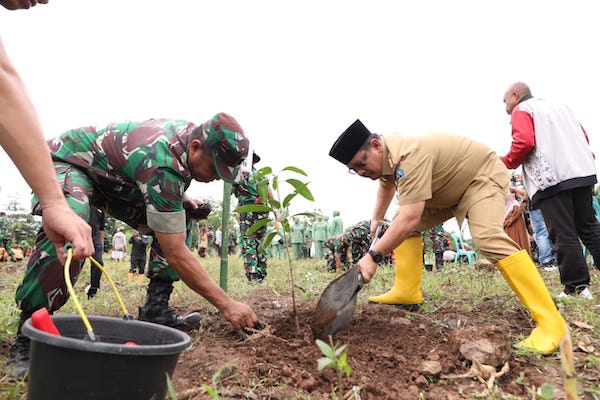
x: 69, y: 250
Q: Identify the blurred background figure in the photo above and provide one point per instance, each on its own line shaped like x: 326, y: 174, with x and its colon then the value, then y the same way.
x: 97, y: 222
x: 139, y: 247
x: 118, y: 245
x: 202, y: 241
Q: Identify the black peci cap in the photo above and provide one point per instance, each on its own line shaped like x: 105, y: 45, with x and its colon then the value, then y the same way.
x: 350, y: 142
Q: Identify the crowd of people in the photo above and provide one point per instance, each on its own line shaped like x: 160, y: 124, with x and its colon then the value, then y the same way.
x: 439, y: 176
x: 138, y: 172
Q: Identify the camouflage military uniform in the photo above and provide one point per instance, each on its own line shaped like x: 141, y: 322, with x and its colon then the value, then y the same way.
x: 357, y: 239
x: 135, y: 172
x: 255, y: 261
x: 336, y: 246
x: 436, y: 234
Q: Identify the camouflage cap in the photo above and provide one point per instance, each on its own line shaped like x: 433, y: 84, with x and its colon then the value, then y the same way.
x: 228, y: 145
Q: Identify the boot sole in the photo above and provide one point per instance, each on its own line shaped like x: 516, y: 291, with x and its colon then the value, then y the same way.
x: 409, y: 307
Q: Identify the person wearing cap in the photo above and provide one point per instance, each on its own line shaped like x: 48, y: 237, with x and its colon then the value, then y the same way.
x: 246, y: 192
x: 437, y: 177
x: 138, y: 172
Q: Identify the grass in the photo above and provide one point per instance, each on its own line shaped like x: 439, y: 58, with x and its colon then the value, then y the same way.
x: 459, y: 285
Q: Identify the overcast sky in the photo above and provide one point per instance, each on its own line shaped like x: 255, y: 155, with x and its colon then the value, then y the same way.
x: 296, y: 74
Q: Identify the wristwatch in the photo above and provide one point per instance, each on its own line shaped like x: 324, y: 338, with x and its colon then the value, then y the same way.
x: 377, y: 257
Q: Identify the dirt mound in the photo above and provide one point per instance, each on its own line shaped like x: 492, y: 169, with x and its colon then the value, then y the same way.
x: 394, y: 354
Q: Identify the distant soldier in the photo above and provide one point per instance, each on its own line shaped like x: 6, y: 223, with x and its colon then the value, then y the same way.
x: 319, y: 236
x: 436, y: 234
x: 297, y: 238
x: 336, y: 254
x: 337, y: 225
x: 139, y: 246
x: 255, y: 260
x: 351, y: 245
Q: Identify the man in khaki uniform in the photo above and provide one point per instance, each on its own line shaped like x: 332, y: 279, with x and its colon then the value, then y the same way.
x: 437, y: 177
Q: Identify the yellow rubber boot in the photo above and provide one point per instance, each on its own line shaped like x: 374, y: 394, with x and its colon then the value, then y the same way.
x: 526, y: 282
x: 130, y: 277
x: 141, y: 278
x: 409, y: 270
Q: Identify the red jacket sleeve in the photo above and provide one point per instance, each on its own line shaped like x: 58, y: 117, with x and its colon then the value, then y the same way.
x: 523, y: 138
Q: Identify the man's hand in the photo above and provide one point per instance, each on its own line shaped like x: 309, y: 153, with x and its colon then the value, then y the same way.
x: 375, y: 224
x: 201, y: 211
x: 62, y: 225
x: 239, y: 315
x: 367, y: 267
x: 195, y: 209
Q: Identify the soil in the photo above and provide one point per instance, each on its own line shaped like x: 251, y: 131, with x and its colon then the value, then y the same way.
x: 390, y: 350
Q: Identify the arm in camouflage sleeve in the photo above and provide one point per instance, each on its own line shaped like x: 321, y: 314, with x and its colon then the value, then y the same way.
x: 189, y: 269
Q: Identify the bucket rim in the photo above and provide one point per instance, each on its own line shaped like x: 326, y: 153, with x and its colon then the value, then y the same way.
x: 181, y: 343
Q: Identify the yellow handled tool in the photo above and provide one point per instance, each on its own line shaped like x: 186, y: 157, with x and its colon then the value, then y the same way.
x: 69, y: 250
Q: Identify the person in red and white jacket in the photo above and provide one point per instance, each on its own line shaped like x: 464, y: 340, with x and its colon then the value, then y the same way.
x: 558, y: 174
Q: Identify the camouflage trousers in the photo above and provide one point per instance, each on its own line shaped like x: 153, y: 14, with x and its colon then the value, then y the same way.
x: 330, y: 260
x: 329, y: 253
x: 255, y: 261
x: 43, y: 284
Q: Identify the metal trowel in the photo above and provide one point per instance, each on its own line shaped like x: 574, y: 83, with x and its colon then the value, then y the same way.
x: 338, y: 301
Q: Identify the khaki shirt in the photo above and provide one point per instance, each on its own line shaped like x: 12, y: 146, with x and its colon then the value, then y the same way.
x: 446, y: 171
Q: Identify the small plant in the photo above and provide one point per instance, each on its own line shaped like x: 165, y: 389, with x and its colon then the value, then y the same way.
x: 278, y: 211
x: 545, y: 392
x: 211, y: 390
x: 336, y: 358
x: 170, y: 388
x: 592, y: 362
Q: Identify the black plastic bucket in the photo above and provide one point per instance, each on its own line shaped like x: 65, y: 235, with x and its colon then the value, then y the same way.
x: 69, y: 367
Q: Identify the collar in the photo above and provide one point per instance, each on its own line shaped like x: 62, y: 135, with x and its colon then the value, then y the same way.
x: 525, y: 98
x: 387, y: 169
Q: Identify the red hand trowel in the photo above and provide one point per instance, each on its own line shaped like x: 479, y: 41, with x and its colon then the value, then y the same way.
x: 338, y: 301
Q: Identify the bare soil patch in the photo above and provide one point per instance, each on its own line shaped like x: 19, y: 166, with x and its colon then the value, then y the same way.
x: 391, y: 352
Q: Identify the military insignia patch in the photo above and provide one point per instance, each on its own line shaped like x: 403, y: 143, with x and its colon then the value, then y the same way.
x: 398, y: 173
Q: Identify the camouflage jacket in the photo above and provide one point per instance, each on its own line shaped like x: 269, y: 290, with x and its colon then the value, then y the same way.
x: 133, y: 165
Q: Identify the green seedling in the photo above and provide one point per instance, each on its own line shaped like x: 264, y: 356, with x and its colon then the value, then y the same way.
x: 277, y: 209
x: 545, y: 392
x: 170, y: 388
x: 336, y: 359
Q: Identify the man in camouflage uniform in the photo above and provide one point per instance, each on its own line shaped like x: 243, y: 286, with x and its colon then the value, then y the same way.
x: 436, y: 234
x: 138, y: 172
x: 255, y: 260
x: 336, y: 253
x: 356, y: 240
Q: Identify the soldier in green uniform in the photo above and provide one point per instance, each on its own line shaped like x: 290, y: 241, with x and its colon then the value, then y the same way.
x: 138, y: 172
x: 436, y: 234
x: 297, y: 238
x: 319, y: 236
x: 255, y: 259
x: 336, y: 227
x: 351, y: 246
